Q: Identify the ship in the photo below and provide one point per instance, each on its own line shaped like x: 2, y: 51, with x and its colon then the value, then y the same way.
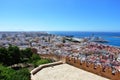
x: 97, y: 39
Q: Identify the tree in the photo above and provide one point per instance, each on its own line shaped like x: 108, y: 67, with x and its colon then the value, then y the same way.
x: 4, y: 57
x: 14, y: 54
x: 26, y: 54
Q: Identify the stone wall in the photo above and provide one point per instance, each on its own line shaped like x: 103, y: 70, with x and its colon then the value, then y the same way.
x: 34, y: 71
x: 90, y: 67
x: 53, y: 56
x: 97, y: 69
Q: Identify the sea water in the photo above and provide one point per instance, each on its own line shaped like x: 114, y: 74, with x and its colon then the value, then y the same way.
x: 113, y: 38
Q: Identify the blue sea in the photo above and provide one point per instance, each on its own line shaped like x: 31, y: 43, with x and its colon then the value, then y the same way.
x: 113, y: 38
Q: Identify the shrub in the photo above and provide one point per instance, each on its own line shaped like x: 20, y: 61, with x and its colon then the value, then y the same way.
x: 42, y: 61
x: 10, y: 74
x: 22, y: 74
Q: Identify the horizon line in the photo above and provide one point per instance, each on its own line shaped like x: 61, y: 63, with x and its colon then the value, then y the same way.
x: 56, y: 31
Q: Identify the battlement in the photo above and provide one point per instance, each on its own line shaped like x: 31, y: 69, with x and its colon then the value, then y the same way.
x: 90, y: 67
x: 96, y: 69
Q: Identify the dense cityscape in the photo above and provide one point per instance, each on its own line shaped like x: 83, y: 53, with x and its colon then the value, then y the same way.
x: 61, y: 45
x: 84, y: 49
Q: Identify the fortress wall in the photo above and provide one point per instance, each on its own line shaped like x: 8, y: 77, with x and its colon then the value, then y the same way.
x: 34, y: 71
x: 97, y: 69
x: 54, y: 57
x: 91, y: 67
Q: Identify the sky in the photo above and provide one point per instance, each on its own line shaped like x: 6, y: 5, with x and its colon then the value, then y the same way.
x: 60, y: 15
